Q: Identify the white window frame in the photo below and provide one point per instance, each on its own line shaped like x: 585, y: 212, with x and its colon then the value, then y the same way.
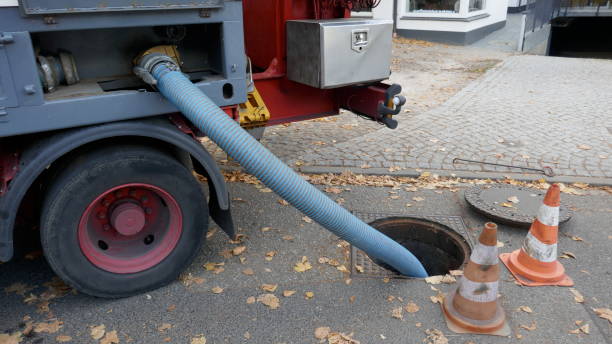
x: 463, y: 11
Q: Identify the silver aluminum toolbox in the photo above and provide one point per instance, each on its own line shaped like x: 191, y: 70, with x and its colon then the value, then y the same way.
x: 338, y: 52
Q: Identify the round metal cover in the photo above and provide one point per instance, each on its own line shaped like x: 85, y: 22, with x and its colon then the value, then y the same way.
x: 513, y: 205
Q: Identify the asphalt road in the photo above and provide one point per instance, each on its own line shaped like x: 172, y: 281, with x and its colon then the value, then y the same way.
x: 192, y: 310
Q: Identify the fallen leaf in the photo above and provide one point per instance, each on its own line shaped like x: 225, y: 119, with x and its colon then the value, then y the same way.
x: 412, y: 307
x: 14, y: 338
x: 456, y: 272
x: 525, y: 309
x: 584, y: 147
x: 288, y: 237
x: 586, y: 329
x: 567, y: 255
x: 513, y: 199
x: 306, y: 219
x: 352, y: 298
x: 250, y: 300
x: 283, y: 202
x: 333, y: 190
x: 322, y: 332
x: 18, y: 288
x: 342, y: 268
x: 308, y: 295
x: 61, y: 339
x: 418, y: 324
x: 577, y: 296
x: 365, y: 166
x: 418, y: 199
x: 397, y: 313
x: 447, y: 279
x: 500, y: 244
x: 395, y: 169
x: 198, y: 340
x: 269, y: 287
x: 288, y: 293
x: 303, y: 265
x: 48, y: 327
x: 531, y: 327
x: 265, y: 190
x: 97, y: 332
x: 247, y: 335
x: 217, y: 290
x: 265, y: 229
x: 171, y: 308
x: 604, y: 313
x: 576, y: 238
x: 439, y: 298
x: 269, y: 300
x: 435, y: 336
x: 163, y: 327
x: 110, y: 338
x: 238, y: 250
x: 507, y: 205
x: 359, y: 268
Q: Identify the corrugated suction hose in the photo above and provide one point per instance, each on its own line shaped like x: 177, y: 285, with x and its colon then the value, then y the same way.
x: 272, y: 172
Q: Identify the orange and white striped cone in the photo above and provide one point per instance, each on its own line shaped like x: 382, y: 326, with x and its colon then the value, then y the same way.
x: 473, y: 307
x: 535, y: 264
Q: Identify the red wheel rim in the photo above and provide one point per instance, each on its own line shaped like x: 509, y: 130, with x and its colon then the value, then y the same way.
x: 130, y: 228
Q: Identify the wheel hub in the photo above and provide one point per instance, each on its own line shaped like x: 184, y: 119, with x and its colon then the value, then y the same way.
x: 128, y: 219
x: 130, y: 228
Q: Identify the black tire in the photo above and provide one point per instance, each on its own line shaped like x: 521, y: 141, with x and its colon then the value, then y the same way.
x: 90, y: 175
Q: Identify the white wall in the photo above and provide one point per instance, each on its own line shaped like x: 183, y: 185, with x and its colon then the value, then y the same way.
x: 496, y: 9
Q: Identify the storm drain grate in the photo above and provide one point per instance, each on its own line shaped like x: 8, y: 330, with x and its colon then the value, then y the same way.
x: 372, y: 270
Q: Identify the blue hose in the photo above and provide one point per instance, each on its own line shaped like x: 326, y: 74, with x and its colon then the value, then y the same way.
x: 260, y: 162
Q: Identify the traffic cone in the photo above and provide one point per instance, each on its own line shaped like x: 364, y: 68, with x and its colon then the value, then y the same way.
x: 473, y: 307
x: 536, y: 264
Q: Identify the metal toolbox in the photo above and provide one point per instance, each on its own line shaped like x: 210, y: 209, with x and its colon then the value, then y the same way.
x: 338, y: 52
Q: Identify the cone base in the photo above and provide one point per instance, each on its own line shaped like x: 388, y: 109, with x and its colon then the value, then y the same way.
x: 498, y: 326
x: 519, y: 271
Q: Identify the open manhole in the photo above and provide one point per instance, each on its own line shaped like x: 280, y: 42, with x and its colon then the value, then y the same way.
x: 439, y: 247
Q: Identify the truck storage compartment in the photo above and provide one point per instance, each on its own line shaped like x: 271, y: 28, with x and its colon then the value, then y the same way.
x: 103, y: 58
x: 338, y: 52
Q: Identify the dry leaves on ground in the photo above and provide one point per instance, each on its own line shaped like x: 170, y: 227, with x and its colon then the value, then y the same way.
x: 435, y: 336
x: 306, y: 219
x: 604, y: 313
x: 14, y: 338
x: 188, y: 279
x: 18, y: 288
x: 48, y: 327
x: 513, y: 199
x: 248, y: 272
x: 308, y: 295
x: 531, y: 327
x: 439, y: 298
x: 270, y: 255
x: 110, y: 338
x: 250, y: 300
x: 567, y: 255
x: 447, y: 279
x: 200, y: 339
x: 577, y: 295
x: 97, y: 332
x: 61, y: 339
x: 412, y: 307
x: 525, y: 309
x: 238, y: 250
x: 269, y: 287
x: 288, y: 293
x: 322, y: 333
x: 333, y: 190
x: 217, y: 290
x: 163, y: 327
x: 283, y: 202
x: 397, y: 313
x: 269, y: 300
x: 303, y: 265
x: 585, y: 329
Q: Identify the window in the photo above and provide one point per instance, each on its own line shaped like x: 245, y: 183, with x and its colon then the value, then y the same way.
x: 476, y: 5
x: 436, y: 6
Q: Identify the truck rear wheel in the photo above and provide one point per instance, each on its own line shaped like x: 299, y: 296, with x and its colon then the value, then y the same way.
x: 119, y: 221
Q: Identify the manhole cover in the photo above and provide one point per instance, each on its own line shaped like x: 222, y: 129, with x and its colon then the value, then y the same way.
x: 498, y: 203
x: 441, y: 243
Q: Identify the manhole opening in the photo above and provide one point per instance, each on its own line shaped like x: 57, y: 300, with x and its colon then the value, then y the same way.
x: 439, y: 248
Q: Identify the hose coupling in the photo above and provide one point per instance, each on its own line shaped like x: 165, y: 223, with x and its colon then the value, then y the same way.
x: 147, y: 62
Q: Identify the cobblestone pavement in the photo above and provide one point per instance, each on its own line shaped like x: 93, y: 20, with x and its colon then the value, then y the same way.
x: 532, y: 111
